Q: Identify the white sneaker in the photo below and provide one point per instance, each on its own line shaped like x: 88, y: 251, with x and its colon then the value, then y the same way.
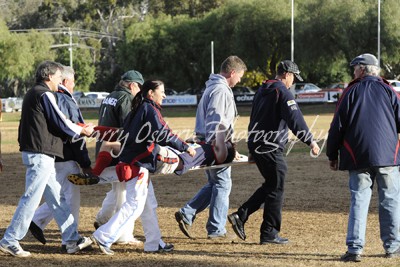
x: 105, y: 250
x: 132, y: 242
x: 16, y: 251
x: 81, y: 244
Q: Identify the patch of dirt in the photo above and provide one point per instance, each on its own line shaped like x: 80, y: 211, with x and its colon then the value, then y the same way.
x: 314, y: 219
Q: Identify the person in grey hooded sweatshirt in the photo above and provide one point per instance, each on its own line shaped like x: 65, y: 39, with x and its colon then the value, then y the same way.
x: 217, y: 106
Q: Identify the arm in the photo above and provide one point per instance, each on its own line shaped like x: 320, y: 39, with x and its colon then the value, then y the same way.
x: 336, y: 132
x: 163, y: 135
x: 58, y: 121
x: 294, y: 118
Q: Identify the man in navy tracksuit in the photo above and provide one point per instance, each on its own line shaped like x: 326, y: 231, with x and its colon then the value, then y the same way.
x: 364, y: 132
x: 274, y: 111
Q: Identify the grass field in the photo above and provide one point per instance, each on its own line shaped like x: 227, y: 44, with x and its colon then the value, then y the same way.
x: 314, y: 215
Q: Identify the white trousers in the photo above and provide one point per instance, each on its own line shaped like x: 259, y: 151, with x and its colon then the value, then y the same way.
x: 113, y: 202
x: 43, y: 215
x: 140, y: 201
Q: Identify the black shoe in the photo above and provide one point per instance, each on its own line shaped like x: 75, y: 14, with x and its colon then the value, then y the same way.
x: 63, y: 248
x: 185, y: 227
x: 237, y: 225
x: 37, y: 233
x: 350, y: 257
x: 394, y: 254
x: 277, y: 240
x: 167, y: 248
x: 81, y: 244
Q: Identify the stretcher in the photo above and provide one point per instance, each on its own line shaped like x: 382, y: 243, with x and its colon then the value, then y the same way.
x: 109, y: 175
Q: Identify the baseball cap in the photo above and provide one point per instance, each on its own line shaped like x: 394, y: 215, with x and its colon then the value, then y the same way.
x: 133, y: 76
x: 290, y: 66
x: 365, y: 59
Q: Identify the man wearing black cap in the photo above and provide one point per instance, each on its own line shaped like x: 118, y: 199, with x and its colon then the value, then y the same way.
x: 274, y: 111
x: 364, y: 132
x: 113, y: 111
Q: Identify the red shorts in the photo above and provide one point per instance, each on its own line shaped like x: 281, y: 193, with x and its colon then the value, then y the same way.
x: 126, y: 172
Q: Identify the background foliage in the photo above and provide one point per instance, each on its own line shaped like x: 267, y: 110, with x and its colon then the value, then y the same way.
x: 170, y: 39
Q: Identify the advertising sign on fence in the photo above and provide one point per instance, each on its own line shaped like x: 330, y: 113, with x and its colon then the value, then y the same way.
x: 180, y: 100
x: 87, y: 102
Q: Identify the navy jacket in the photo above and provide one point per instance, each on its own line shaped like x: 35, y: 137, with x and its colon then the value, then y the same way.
x: 76, y: 151
x: 274, y: 111
x: 146, y: 128
x: 365, y: 126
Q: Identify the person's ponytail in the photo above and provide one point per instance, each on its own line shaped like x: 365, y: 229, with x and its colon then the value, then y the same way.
x: 136, y: 103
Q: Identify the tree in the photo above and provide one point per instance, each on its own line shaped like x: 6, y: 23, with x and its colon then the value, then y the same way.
x: 20, y: 54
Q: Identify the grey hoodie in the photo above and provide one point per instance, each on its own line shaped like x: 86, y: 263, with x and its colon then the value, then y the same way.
x: 216, y: 106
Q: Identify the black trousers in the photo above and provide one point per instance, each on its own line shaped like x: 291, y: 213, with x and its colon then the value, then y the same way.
x: 273, y: 168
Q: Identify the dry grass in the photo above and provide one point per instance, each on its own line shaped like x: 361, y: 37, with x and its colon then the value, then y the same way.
x: 314, y: 216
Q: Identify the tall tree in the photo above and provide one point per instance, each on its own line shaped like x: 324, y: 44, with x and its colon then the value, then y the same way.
x: 20, y: 54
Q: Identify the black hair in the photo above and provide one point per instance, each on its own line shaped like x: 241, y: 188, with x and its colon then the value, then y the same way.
x: 137, y: 101
x: 45, y: 69
x: 231, y: 151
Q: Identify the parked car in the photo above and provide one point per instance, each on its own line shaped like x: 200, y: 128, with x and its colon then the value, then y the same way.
x: 338, y: 87
x: 193, y: 91
x: 169, y: 91
x: 96, y: 95
x: 242, y: 90
x: 93, y: 95
x: 77, y: 94
x: 300, y: 88
x: 395, y: 84
x: 307, y: 93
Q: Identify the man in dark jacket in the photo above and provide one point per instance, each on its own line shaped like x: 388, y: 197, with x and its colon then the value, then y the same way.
x: 364, y: 131
x: 274, y: 111
x: 41, y: 129
x: 74, y: 152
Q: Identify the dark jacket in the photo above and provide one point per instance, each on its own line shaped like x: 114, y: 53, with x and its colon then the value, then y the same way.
x: 146, y: 128
x: 42, y: 124
x: 365, y: 126
x: 113, y: 111
x: 76, y: 150
x: 115, y: 107
x: 274, y: 111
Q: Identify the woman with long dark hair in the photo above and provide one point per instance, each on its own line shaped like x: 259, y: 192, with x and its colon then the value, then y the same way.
x: 145, y: 128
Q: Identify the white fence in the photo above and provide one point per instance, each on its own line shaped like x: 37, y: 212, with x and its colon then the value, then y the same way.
x: 12, y: 104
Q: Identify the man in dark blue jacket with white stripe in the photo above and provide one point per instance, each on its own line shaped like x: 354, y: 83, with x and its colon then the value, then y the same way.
x: 274, y: 111
x: 364, y: 132
x: 74, y: 152
x: 40, y: 133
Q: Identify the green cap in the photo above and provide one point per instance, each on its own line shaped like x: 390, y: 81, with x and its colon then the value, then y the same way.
x: 133, y: 76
